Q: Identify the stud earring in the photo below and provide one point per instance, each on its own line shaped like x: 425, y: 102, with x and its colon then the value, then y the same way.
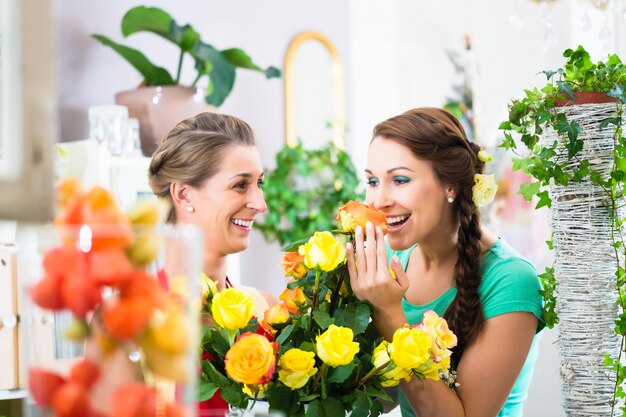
x: 190, y: 209
x: 450, y: 199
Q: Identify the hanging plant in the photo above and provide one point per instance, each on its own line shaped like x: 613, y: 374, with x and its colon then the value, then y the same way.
x: 556, y: 144
x: 304, y: 187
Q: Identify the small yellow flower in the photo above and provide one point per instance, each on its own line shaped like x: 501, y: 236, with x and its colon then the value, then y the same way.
x: 209, y: 287
x: 251, y: 360
x: 484, y: 189
x: 253, y: 391
x: 232, y: 308
x: 484, y: 156
x: 409, y: 348
x: 296, y: 367
x: 292, y: 264
x: 336, y: 346
x: 323, y: 251
x: 392, y: 374
x: 293, y: 299
x: 432, y: 372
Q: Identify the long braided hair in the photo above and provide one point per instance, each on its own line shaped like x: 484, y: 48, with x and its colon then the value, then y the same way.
x: 435, y: 135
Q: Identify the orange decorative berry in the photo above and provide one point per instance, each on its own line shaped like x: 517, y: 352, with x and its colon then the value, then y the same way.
x: 43, y: 384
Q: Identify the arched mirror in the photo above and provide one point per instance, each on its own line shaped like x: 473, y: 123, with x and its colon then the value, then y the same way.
x: 314, y: 92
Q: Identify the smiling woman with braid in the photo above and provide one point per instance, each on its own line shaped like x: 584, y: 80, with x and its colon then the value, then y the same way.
x: 425, y: 175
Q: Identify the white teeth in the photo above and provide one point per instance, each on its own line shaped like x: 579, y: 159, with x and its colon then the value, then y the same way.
x: 393, y: 220
x: 244, y: 223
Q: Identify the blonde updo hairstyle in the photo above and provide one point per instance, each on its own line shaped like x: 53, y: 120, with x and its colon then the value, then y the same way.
x: 192, y: 151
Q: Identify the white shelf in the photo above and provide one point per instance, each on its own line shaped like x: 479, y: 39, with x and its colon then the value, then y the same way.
x: 12, y: 394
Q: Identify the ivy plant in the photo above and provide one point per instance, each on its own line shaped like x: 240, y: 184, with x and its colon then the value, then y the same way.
x: 218, y: 66
x: 541, y: 109
x: 305, y: 186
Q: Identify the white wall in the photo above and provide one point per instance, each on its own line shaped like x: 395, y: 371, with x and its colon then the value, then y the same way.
x: 394, y: 53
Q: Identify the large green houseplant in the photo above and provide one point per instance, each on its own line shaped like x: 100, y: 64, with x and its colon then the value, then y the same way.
x: 561, y: 163
x: 164, y: 99
x: 218, y: 66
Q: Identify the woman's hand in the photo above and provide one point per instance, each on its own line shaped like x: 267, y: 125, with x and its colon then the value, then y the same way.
x: 370, y: 277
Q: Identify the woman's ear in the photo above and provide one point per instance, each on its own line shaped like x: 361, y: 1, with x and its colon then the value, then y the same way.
x: 182, y: 196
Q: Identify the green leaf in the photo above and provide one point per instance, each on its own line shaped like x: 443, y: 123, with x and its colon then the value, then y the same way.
x: 341, y: 373
x: 362, y: 405
x: 284, y: 335
x: 152, y: 74
x: 610, y: 120
x: 544, y: 200
x: 240, y: 59
x: 221, y: 74
x: 159, y: 22
x: 323, y: 319
x: 206, y: 390
x: 528, y: 190
x: 333, y: 407
x: 566, y: 88
x: 355, y: 317
x: 233, y: 394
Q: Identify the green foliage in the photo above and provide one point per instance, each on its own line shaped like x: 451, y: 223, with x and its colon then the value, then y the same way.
x: 561, y: 162
x: 218, y: 66
x: 304, y: 187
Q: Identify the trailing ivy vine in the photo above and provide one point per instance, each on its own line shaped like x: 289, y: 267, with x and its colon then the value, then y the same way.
x: 528, y: 120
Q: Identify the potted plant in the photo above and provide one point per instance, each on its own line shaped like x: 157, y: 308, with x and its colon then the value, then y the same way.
x: 305, y: 186
x: 572, y: 143
x: 150, y: 101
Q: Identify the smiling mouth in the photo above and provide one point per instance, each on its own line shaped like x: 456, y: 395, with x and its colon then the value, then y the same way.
x: 397, y: 221
x: 246, y: 224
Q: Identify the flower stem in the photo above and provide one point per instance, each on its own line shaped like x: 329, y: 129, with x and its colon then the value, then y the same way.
x: 315, y: 294
x: 371, y: 373
x: 180, y: 65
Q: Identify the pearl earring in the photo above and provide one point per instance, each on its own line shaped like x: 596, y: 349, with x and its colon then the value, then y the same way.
x: 450, y: 199
x: 190, y: 209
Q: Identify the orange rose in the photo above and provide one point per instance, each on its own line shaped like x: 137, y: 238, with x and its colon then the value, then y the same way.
x: 276, y: 314
x: 355, y: 213
x: 251, y: 360
x: 293, y: 265
x: 293, y: 299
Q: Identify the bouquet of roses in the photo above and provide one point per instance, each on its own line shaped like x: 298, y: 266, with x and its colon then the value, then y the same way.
x: 318, y: 353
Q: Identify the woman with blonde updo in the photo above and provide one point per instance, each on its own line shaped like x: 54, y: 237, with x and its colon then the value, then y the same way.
x: 426, y: 176
x: 210, y: 171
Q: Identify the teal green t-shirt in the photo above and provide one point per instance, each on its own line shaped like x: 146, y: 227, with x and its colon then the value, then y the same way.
x: 509, y: 284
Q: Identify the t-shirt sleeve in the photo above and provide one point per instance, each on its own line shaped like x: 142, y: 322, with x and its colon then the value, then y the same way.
x: 512, y: 285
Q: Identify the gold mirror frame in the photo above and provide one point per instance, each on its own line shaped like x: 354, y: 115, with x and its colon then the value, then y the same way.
x: 338, y: 88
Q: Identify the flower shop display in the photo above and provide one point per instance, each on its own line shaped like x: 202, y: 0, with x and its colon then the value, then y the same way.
x: 317, y: 353
x: 572, y: 132
x: 104, y: 336
x: 305, y: 185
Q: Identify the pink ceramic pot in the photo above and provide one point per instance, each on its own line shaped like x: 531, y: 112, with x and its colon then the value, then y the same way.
x: 159, y: 109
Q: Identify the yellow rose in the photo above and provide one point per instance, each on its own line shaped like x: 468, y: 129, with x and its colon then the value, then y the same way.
x: 335, y: 346
x: 484, y: 156
x: 296, y: 367
x: 355, y: 213
x: 232, y: 308
x: 322, y: 251
x: 440, y: 335
x: 409, y: 348
x: 208, y: 286
x: 251, y: 360
x: 255, y: 391
x: 484, y: 189
x: 391, y: 375
x: 292, y: 264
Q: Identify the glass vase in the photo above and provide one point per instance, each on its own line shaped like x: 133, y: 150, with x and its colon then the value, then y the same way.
x: 110, y: 320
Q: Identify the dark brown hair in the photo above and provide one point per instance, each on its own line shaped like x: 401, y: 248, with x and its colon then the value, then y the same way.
x: 191, y: 152
x: 436, y: 136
